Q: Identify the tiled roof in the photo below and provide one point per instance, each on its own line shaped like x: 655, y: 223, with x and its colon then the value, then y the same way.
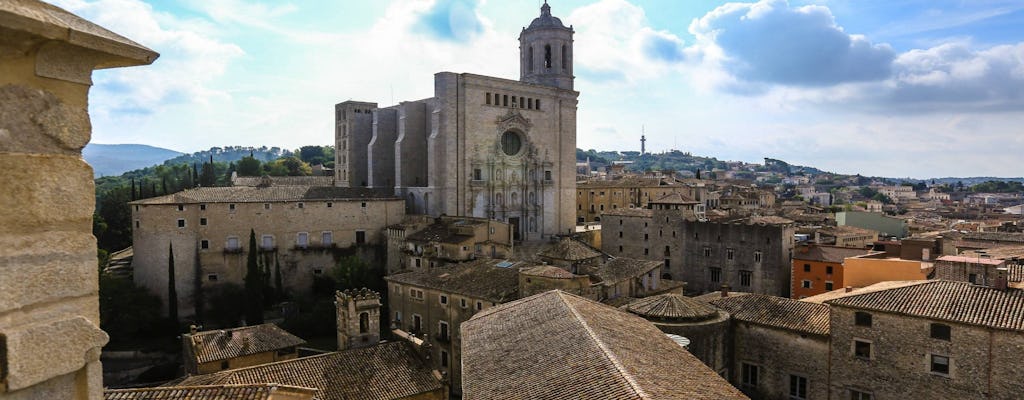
x: 960, y: 302
x: 284, y: 180
x: 995, y: 236
x: 230, y: 343
x: 622, y: 268
x: 630, y: 212
x: 708, y: 297
x: 839, y: 293
x: 569, y: 250
x: 671, y: 306
x: 778, y: 312
x: 556, y: 345
x: 479, y: 278
x: 627, y: 182
x: 826, y: 253
x: 769, y: 220
x: 675, y: 198
x: 246, y: 194
x: 259, y: 391
x: 548, y: 271
x: 1000, y: 252
x: 385, y: 371
x: 971, y: 260
x: 438, y: 232
x: 846, y: 230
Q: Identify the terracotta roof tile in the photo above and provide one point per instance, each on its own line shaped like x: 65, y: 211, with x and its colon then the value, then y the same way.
x: 548, y: 271
x: 246, y: 194
x: 569, y: 250
x: 284, y: 180
x: 671, y: 306
x: 778, y: 312
x: 960, y: 302
x: 622, y: 268
x: 578, y: 349
x: 230, y: 343
x: 385, y: 371
x: 480, y: 279
x: 259, y: 391
x: 675, y: 198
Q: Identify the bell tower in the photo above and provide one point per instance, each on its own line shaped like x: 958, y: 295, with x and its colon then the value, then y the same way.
x: 545, y: 51
x: 358, y: 313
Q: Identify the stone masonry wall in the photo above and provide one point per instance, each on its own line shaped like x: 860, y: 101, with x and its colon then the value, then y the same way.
x: 778, y: 354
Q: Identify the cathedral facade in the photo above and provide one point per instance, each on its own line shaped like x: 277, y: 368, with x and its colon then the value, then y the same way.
x: 481, y: 146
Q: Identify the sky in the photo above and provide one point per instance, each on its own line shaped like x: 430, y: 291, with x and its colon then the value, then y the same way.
x: 910, y: 88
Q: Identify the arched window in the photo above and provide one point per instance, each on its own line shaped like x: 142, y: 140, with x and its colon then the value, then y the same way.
x: 364, y: 322
x: 533, y: 198
x: 515, y: 199
x: 529, y: 65
x: 547, y: 56
x: 564, y: 58
x: 499, y: 198
x: 511, y: 143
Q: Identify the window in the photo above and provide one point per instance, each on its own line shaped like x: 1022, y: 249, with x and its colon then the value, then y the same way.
x: 211, y: 277
x: 363, y: 204
x: 707, y: 251
x: 443, y: 334
x: 939, y: 365
x: 862, y: 349
x: 364, y: 322
x: 858, y: 395
x: 444, y: 359
x: 443, y: 299
x: 301, y: 205
x: 729, y: 253
x: 224, y: 365
x: 202, y: 221
x: 488, y: 101
x: 181, y: 207
x: 745, y: 278
x: 547, y: 56
x: 716, y: 274
x: 940, y: 331
x: 181, y: 222
x: 266, y: 206
x: 302, y: 240
x: 749, y: 375
x: 329, y: 204
x: 828, y: 285
x: 360, y: 237
x: 202, y: 207
x: 757, y: 256
x: 231, y: 207
x: 645, y: 237
x: 828, y: 269
x: 536, y: 104
x: 647, y: 251
x: 479, y: 306
x: 462, y: 303
x: 398, y: 316
x: 232, y: 243
x: 504, y: 100
x: 668, y: 251
x: 547, y: 175
x: 136, y: 223
x: 807, y: 267
x: 861, y: 318
x: 416, y: 323
x: 204, y: 244
x: 478, y: 175
x: 318, y: 271
x: 326, y: 238
x: 806, y: 284
x: 797, y: 387
x: 267, y: 242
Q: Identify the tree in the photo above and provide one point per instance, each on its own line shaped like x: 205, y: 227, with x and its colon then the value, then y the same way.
x: 172, y: 292
x: 253, y: 285
x: 277, y: 278
x: 197, y: 289
x: 209, y: 176
x: 249, y: 166
x: 126, y: 310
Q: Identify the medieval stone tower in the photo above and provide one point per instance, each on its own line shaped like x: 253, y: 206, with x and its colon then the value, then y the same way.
x: 545, y: 51
x: 358, y: 318
x: 482, y: 146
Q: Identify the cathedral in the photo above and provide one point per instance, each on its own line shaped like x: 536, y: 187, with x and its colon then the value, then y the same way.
x: 482, y: 146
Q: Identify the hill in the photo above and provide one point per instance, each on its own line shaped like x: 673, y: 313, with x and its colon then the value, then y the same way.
x: 116, y: 159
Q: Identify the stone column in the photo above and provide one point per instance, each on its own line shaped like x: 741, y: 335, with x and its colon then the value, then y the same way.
x: 49, y: 306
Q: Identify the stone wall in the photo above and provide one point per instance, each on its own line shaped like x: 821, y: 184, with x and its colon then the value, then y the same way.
x: 381, y: 149
x: 49, y: 308
x: 778, y: 354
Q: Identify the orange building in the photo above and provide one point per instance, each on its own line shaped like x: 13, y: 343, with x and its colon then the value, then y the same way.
x: 819, y: 269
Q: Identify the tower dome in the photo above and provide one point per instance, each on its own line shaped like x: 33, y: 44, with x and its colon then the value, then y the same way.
x: 545, y: 51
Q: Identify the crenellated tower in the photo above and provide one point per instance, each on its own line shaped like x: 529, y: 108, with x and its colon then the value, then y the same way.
x: 358, y: 318
x: 545, y: 51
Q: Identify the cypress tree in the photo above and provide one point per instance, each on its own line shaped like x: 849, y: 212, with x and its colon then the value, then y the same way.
x: 197, y: 292
x: 253, y: 285
x: 195, y: 176
x: 134, y: 195
x: 172, y: 293
x: 277, y: 278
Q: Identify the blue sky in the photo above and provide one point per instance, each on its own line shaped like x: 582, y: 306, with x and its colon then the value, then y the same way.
x: 919, y: 88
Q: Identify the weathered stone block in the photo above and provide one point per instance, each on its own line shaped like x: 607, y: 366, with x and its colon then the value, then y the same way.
x: 35, y: 269
x: 42, y: 123
x: 46, y: 192
x: 41, y: 351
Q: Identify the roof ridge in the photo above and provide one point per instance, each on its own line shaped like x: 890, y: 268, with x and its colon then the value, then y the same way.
x: 604, y: 348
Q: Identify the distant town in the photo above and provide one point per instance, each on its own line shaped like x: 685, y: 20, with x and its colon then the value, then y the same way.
x: 462, y: 247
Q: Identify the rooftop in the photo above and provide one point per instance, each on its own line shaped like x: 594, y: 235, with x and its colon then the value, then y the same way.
x: 283, y: 180
x: 258, y: 391
x: 960, y: 302
x: 631, y: 212
x: 671, y: 306
x: 385, y: 371
x: 219, y: 345
x: 438, y: 232
x: 556, y: 345
x: 674, y: 198
x: 622, y: 268
x: 778, y: 312
x: 569, y: 250
x: 548, y: 271
x: 826, y: 253
x: 246, y: 194
x: 481, y: 278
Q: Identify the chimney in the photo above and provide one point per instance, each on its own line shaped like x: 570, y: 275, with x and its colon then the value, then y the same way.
x: 849, y: 289
x: 1000, y: 281
x: 725, y: 290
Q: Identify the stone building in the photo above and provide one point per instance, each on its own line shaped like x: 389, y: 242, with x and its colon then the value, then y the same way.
x: 217, y: 350
x: 481, y: 146
x: 302, y: 230
x: 627, y: 277
x: 555, y: 345
x: 446, y: 240
x: 432, y: 303
x: 706, y: 327
x: 596, y: 197
x: 358, y: 318
x: 778, y: 347
x: 49, y: 317
x: 751, y: 254
x: 932, y: 339
x: 543, y: 278
x: 571, y: 255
